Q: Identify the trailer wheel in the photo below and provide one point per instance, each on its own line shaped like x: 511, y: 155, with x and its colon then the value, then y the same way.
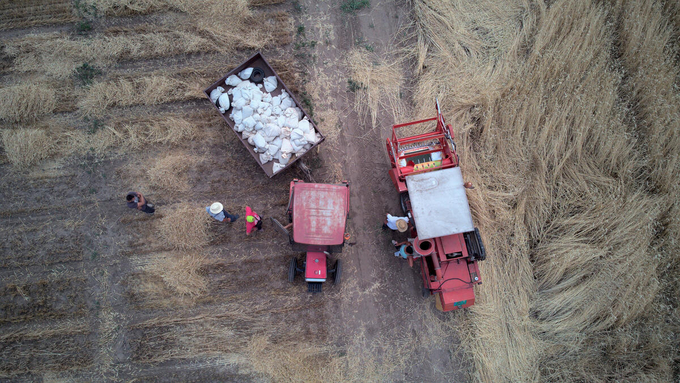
x: 292, y: 270
x: 426, y: 292
x: 404, y: 200
x: 338, y: 272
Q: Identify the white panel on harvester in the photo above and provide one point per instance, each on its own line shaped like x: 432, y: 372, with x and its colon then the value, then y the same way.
x: 439, y: 203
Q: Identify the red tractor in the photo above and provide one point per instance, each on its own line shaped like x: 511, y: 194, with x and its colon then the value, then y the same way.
x: 425, y: 172
x: 318, y: 214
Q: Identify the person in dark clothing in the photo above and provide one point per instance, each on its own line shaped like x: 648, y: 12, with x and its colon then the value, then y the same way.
x: 136, y: 200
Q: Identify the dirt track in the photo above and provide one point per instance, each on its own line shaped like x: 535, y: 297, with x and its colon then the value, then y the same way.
x: 385, y: 294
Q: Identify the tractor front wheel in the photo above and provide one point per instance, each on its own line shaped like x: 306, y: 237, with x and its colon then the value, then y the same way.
x: 338, y: 272
x: 292, y: 270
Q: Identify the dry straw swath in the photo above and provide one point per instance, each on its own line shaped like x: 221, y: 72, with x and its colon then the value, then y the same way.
x: 377, y: 83
x: 25, y: 147
x: 186, y: 227
x: 168, y: 174
x: 181, y: 272
x: 26, y: 102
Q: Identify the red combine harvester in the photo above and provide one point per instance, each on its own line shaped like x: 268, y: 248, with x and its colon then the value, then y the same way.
x: 318, y: 213
x: 425, y: 171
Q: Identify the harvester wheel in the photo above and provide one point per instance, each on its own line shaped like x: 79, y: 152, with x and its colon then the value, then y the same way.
x: 338, y: 272
x: 404, y: 199
x: 292, y: 270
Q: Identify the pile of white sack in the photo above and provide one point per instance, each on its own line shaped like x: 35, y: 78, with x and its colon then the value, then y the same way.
x: 275, y: 126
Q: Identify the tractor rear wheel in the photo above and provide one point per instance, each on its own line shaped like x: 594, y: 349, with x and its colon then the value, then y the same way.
x: 292, y: 270
x: 338, y: 272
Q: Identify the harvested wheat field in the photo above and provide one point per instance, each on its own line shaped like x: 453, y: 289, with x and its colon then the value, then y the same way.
x: 567, y: 120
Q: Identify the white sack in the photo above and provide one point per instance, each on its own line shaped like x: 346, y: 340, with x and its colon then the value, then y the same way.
x: 224, y: 101
x: 249, y: 122
x: 245, y: 74
x: 292, y: 122
x: 255, y: 102
x: 286, y: 147
x: 216, y: 93
x: 305, y: 126
x: 232, y: 80
x: 236, y: 93
x: 270, y: 83
x: 310, y: 137
x: 296, y: 134
x: 296, y: 146
x: 277, y: 167
x: 272, y: 130
x: 247, y: 111
x: 285, y: 157
x: 265, y: 157
x: 237, y: 117
x: 246, y: 135
x: 272, y: 149
x: 259, y: 141
x: 259, y: 126
x: 240, y: 103
x: 287, y: 103
x: 276, y: 101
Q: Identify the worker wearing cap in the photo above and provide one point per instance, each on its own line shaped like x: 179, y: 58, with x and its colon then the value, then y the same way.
x: 396, y: 223
x: 216, y: 210
x: 253, y: 221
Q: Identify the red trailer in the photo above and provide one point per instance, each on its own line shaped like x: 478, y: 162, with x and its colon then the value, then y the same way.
x: 318, y: 214
x: 425, y: 172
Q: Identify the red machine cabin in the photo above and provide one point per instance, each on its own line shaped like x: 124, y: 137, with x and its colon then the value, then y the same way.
x: 318, y: 213
x: 425, y: 171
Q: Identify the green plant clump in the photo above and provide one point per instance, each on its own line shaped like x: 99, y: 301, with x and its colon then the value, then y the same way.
x: 86, y: 73
x: 351, y: 6
x: 354, y: 86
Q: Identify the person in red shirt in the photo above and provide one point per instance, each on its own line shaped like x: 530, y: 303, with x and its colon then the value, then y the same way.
x: 253, y: 221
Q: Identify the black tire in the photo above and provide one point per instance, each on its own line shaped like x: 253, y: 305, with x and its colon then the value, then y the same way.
x: 338, y: 272
x: 292, y: 270
x: 426, y: 292
x: 403, y: 200
x: 257, y: 76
